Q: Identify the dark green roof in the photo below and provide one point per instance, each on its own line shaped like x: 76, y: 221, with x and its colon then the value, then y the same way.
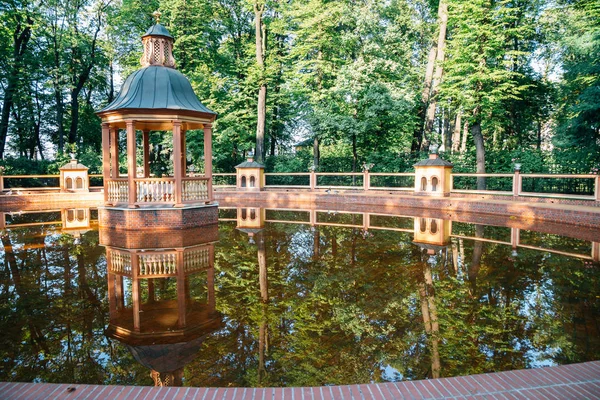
x: 157, y: 87
x: 250, y: 164
x: 438, y: 162
x: 157, y: 30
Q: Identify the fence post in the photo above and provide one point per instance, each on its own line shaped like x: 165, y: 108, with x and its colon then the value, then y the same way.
x: 596, y: 188
x: 366, y: 180
x: 516, y: 183
x: 515, y: 238
x: 313, y: 179
x: 2, y: 183
x: 596, y: 251
x: 313, y: 217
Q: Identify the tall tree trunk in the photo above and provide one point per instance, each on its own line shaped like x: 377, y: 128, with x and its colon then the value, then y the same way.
x: 80, y: 80
x: 465, y: 133
x: 480, y: 153
x: 21, y: 37
x: 260, y: 32
x: 447, y: 131
x: 425, y: 95
x: 456, y: 132
x: 59, y: 106
x: 111, y: 92
x: 539, y: 135
x: 316, y: 153
x: 437, y: 77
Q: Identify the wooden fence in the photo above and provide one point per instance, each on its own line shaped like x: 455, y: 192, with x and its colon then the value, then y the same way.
x: 559, y: 186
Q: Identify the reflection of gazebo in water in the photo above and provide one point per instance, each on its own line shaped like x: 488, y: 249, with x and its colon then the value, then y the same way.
x: 163, y: 325
x: 156, y: 97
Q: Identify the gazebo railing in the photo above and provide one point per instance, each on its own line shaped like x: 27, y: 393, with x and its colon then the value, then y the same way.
x: 158, y: 190
x: 118, y: 190
x: 155, y: 190
x: 195, y: 189
x: 157, y: 264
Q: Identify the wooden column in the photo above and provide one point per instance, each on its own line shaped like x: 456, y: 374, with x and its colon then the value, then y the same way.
x: 131, y: 162
x: 114, y: 152
x: 208, y: 159
x: 119, y: 292
x: 135, y: 291
x: 181, y: 294
x: 112, y: 294
x: 596, y: 251
x: 105, y: 158
x: 151, y: 292
x: 177, y: 162
x: 183, y: 153
x: 146, y: 145
x: 2, y: 220
x: 210, y: 278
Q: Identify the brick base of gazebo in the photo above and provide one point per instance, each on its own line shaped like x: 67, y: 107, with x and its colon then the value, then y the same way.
x: 156, y: 218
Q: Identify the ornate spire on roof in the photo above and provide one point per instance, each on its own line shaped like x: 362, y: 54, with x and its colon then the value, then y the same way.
x: 158, y: 45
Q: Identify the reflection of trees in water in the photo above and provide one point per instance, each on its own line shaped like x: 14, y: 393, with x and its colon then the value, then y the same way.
x: 338, y: 315
x: 53, y: 290
x: 356, y: 305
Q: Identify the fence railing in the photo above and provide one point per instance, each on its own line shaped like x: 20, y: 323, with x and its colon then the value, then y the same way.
x: 40, y: 182
x: 577, y: 187
x: 559, y: 186
x: 368, y: 221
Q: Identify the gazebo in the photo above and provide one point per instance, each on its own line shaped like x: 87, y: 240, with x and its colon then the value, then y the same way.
x: 156, y: 97
x: 163, y: 330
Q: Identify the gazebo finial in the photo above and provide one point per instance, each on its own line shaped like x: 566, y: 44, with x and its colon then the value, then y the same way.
x: 158, y: 45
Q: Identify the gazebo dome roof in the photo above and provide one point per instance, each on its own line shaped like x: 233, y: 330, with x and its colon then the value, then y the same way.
x: 157, y: 87
x: 157, y: 30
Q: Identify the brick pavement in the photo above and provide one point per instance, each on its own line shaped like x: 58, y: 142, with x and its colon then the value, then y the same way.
x: 575, y: 381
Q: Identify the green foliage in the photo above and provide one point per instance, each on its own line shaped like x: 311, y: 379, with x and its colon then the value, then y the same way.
x: 347, y: 73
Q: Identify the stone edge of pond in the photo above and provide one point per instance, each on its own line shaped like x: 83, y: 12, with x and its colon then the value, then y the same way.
x: 574, y: 381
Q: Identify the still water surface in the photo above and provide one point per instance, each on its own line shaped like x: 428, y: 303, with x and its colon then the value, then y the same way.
x: 289, y: 298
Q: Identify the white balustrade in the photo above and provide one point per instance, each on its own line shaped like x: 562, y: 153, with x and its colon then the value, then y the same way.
x: 195, y: 189
x: 118, y: 191
x: 155, y: 190
x: 196, y: 259
x: 157, y: 264
x: 120, y: 263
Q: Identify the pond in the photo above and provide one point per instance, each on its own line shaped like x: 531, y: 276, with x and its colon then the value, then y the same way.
x: 290, y: 298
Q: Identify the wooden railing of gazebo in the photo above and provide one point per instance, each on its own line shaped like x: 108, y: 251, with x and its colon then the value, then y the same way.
x: 159, y: 264
x: 159, y: 190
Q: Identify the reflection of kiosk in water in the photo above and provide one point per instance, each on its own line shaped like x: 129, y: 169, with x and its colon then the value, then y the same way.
x: 162, y: 296
x: 75, y: 221
x: 251, y: 220
x: 432, y: 235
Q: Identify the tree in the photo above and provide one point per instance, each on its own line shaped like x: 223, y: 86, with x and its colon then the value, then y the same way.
x: 18, y: 22
x: 479, y: 77
x: 260, y: 36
